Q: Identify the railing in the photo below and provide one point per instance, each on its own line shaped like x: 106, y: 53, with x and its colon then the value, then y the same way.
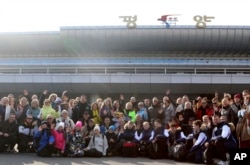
x: 123, y: 70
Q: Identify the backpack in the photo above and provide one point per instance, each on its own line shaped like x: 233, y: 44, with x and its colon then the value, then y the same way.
x: 94, y: 138
x: 180, y: 152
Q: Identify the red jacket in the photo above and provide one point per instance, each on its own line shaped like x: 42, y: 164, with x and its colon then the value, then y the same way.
x: 60, y: 140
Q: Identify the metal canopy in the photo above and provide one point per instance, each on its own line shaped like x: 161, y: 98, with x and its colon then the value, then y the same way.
x: 183, y: 41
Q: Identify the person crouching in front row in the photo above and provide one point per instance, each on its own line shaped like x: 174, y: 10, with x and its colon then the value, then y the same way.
x: 44, y: 140
x: 98, y: 144
x: 222, y: 141
x: 60, y: 139
x: 144, y: 138
x: 198, y: 139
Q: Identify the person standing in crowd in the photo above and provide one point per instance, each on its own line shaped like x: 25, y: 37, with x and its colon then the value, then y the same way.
x: 121, y: 101
x: 204, y: 109
x: 215, y: 106
x: 26, y: 95
x: 169, y: 111
x: 129, y: 112
x: 116, y: 107
x: 52, y: 99
x: 8, y: 133
x: 26, y: 134
x: 243, y: 131
x: 188, y: 112
x: 12, y: 102
x: 221, y: 142
x: 152, y: 111
x: 81, y: 107
x: 22, y: 109
x: 106, y: 109
x: 44, y: 140
x: 134, y: 103
x: 142, y: 111
x: 43, y: 96
x: 34, y: 110
x: 6, y: 109
x: 227, y: 110
x: 72, y: 104
x: 48, y: 110
x: 236, y: 107
x: 95, y: 112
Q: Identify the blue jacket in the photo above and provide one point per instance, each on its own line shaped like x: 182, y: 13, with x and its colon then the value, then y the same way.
x: 45, y: 138
x: 143, y: 113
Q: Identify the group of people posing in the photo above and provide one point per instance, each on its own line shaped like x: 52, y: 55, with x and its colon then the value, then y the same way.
x: 196, y: 131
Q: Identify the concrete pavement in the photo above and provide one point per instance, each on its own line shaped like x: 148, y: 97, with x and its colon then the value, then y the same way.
x: 30, y: 158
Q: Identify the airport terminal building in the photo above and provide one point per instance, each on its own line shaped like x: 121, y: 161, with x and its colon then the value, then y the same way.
x: 113, y: 60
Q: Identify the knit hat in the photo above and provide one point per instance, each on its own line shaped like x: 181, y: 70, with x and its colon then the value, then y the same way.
x: 58, y: 100
x: 97, y: 128
x: 44, y: 122
x: 237, y: 96
x: 112, y: 128
x: 61, y: 124
x: 78, y: 124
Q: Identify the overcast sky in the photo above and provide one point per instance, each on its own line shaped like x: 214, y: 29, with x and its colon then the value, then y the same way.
x: 50, y: 15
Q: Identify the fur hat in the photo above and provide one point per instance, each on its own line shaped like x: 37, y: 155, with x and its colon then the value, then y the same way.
x: 61, y: 124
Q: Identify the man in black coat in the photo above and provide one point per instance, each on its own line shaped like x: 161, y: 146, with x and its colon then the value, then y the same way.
x: 8, y: 133
x: 81, y: 107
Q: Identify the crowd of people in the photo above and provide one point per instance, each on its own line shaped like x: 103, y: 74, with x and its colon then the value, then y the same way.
x: 196, y: 131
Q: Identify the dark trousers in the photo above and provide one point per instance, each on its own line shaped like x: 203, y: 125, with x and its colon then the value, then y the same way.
x: 93, y: 153
x: 23, y: 143
x: 10, y: 140
x: 216, y: 149
x: 196, y: 156
x: 46, y: 151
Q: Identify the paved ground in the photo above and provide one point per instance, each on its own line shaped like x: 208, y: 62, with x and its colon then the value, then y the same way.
x: 28, y: 158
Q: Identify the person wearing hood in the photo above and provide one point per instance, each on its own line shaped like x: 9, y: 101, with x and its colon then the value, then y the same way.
x: 48, y: 110
x: 60, y: 138
x: 44, y: 140
x: 98, y: 144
